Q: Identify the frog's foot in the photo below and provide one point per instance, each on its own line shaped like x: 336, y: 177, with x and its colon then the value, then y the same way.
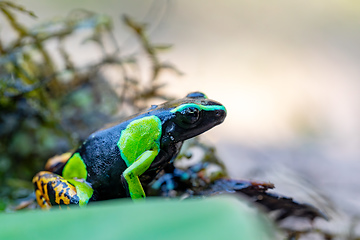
x: 174, y: 181
x: 52, y: 189
x: 170, y: 181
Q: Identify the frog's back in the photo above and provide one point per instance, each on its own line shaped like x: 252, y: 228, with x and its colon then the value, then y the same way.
x: 103, y: 161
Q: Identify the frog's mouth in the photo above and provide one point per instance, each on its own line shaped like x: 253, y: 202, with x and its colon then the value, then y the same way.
x: 207, y: 120
x: 212, y: 118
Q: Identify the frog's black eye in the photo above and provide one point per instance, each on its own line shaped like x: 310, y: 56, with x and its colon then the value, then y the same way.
x: 190, y: 115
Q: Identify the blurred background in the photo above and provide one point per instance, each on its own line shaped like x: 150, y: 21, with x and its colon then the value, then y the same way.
x: 287, y: 72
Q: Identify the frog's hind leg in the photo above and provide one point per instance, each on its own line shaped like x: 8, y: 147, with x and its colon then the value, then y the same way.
x: 52, y: 189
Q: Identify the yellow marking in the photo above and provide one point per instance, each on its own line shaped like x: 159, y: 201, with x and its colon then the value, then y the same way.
x: 42, y: 179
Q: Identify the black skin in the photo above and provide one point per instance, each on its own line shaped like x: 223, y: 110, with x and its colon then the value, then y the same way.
x: 102, y: 155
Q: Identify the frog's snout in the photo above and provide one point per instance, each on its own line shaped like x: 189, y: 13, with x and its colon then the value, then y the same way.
x: 220, y: 115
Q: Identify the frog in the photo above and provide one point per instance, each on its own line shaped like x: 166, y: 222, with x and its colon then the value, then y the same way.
x: 119, y: 159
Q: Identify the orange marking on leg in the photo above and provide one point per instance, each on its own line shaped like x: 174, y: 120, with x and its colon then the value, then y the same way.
x: 47, y: 180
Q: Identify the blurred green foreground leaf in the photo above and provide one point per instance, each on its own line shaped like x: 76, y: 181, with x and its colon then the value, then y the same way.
x: 216, y: 218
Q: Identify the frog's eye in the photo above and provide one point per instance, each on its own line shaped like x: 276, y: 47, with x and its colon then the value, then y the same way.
x: 190, y: 115
x: 197, y: 95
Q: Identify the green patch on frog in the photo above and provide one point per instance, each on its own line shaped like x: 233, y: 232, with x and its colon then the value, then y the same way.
x: 75, y: 168
x: 138, y: 137
x: 83, y: 190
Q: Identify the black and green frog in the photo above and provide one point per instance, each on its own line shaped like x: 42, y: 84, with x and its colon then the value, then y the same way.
x: 114, y: 162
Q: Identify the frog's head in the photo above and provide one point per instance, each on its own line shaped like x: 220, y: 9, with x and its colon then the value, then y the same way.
x: 192, y: 116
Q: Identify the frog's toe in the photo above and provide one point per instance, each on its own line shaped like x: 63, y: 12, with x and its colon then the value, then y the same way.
x: 52, y: 189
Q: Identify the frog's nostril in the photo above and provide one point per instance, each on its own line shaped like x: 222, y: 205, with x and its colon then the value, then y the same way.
x: 220, y: 114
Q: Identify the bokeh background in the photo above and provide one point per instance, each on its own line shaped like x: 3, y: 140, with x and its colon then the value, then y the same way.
x: 287, y: 71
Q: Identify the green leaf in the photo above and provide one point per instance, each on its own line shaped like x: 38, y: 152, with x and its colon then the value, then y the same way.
x: 217, y: 218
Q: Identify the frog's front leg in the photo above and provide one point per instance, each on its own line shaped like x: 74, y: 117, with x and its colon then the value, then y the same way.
x: 139, y: 144
x: 132, y: 173
x: 52, y: 189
